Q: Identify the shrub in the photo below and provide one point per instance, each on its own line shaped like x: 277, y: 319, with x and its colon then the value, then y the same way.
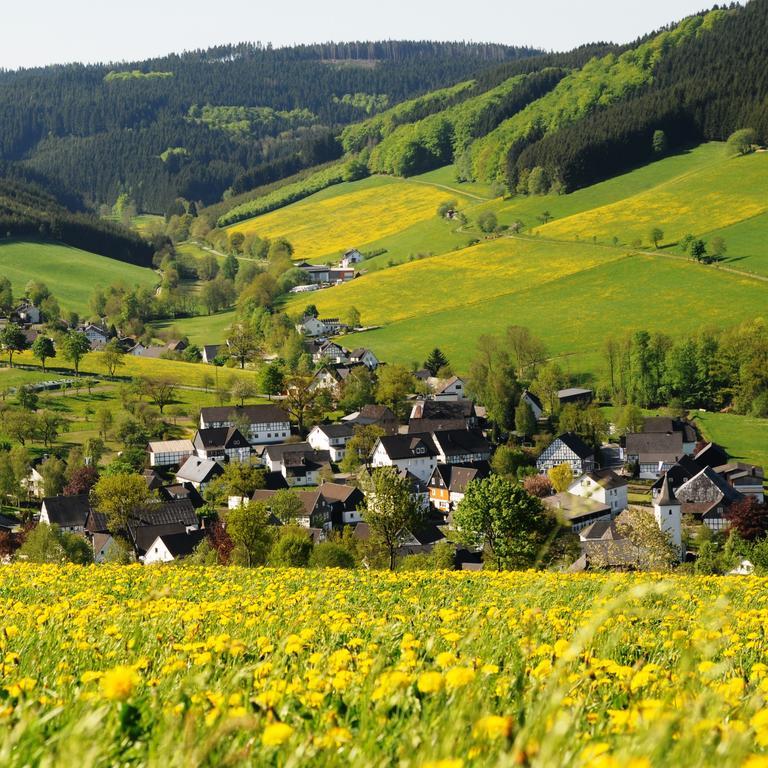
x: 329, y: 554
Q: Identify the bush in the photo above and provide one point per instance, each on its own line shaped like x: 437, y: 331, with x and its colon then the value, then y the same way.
x: 329, y: 554
x: 741, y: 142
x: 487, y: 222
x: 291, y: 550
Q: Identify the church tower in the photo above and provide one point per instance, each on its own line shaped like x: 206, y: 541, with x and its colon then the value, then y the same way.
x: 668, y: 513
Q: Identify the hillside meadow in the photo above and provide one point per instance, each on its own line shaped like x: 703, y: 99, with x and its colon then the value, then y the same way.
x: 187, y: 374
x: 352, y: 215
x: 744, y: 437
x: 70, y: 273
x: 172, y: 666
x: 572, y: 296
x: 710, y: 198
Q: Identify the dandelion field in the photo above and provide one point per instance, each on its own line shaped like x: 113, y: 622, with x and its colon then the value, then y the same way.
x: 177, y: 666
x: 324, y: 225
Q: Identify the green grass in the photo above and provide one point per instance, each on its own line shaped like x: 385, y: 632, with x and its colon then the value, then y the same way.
x: 747, y: 244
x: 715, y: 196
x: 181, y: 415
x: 201, y: 330
x: 188, y: 374
x: 745, y: 438
x: 446, y: 176
x: 18, y: 377
x: 527, y: 209
x: 71, y: 274
x: 572, y: 312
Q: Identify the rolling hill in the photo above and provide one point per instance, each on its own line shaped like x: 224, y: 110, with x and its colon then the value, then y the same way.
x: 70, y: 273
x: 572, y: 293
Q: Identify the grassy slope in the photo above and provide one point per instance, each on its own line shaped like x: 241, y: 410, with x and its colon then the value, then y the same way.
x: 348, y: 215
x: 728, y: 191
x: 572, y: 313
x: 201, y: 330
x: 188, y: 374
x: 745, y: 438
x: 71, y: 274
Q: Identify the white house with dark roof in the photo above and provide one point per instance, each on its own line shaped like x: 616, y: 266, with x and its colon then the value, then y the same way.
x: 603, y: 486
x: 209, y: 352
x: 68, y: 512
x: 260, y: 424
x: 533, y: 402
x: 364, y: 356
x: 173, y: 546
x: 453, y: 388
x: 569, y: 449
x: 222, y: 444
x: 461, y: 446
x: 332, y: 438
x: 416, y: 454
x: 350, y: 258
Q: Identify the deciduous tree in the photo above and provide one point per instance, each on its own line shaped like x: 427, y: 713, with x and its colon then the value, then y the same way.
x: 389, y: 508
x: 120, y: 496
x: 43, y: 349
x: 501, y: 516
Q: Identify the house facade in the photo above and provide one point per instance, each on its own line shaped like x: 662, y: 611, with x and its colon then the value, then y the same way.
x: 169, y: 453
x: 260, y: 424
x: 567, y: 449
x: 461, y: 446
x: 222, y: 444
x: 603, y: 486
x: 412, y: 453
x: 332, y: 438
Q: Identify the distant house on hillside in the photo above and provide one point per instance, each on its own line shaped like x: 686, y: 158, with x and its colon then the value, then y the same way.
x: 210, y: 352
x: 533, y: 402
x: 350, y: 258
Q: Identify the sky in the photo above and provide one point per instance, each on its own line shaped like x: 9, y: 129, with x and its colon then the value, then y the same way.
x: 60, y: 31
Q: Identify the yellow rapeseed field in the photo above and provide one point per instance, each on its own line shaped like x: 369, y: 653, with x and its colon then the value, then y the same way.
x: 457, y: 279
x: 169, y: 666
x: 707, y: 199
x: 322, y: 228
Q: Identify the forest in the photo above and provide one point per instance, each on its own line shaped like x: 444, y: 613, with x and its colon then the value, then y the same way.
x: 704, y: 90
x: 29, y: 212
x: 192, y: 125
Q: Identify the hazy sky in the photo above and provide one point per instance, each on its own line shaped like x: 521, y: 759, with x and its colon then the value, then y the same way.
x: 56, y: 31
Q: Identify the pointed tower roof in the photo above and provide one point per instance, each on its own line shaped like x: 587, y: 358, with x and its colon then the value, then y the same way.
x: 667, y: 497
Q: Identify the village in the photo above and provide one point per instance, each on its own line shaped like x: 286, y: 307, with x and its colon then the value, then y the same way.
x: 437, y: 441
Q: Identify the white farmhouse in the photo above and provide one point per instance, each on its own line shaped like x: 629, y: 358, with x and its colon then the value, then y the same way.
x: 604, y: 486
x: 413, y: 453
x: 332, y: 438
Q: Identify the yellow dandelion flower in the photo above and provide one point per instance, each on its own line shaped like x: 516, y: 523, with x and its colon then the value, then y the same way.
x: 458, y: 677
x: 493, y: 727
x: 430, y: 682
x: 276, y: 734
x: 118, y: 684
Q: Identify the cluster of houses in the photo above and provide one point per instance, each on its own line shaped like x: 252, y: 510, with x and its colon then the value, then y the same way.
x: 692, y: 481
x: 439, y: 449
x: 29, y: 318
x: 321, y: 275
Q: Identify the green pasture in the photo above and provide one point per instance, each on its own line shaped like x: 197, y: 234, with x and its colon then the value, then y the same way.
x: 71, y: 274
